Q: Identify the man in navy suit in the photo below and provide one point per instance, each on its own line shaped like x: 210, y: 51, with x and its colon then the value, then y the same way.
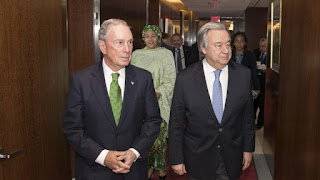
x: 211, y: 129
x: 181, y: 53
x: 108, y: 147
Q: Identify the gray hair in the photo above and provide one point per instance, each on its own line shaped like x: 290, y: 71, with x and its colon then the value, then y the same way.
x: 106, y: 25
x: 202, y: 36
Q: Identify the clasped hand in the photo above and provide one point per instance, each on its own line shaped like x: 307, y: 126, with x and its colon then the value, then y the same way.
x: 120, y: 161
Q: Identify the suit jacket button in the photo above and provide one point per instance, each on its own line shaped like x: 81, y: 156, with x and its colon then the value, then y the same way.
x: 220, y: 129
x: 218, y: 146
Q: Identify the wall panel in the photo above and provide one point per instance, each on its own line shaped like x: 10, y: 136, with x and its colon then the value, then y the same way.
x: 297, y: 139
x: 271, y: 116
x: 132, y: 11
x: 80, y: 34
x: 255, y: 26
x: 34, y: 83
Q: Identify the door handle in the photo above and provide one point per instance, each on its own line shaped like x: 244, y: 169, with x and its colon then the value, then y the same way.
x: 8, y: 156
x: 4, y: 156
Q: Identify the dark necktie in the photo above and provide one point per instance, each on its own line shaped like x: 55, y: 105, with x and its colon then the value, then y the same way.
x: 217, y: 103
x: 263, y: 58
x: 115, y: 97
x: 179, y: 63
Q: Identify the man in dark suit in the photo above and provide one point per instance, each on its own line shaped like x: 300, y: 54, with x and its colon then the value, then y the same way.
x: 211, y: 129
x: 261, y: 57
x: 181, y: 54
x: 112, y: 116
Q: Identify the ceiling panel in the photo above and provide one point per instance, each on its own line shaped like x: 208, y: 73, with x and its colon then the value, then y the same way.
x: 223, y: 8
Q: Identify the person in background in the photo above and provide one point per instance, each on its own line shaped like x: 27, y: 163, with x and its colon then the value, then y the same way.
x: 112, y: 116
x: 165, y: 42
x: 261, y: 56
x: 181, y: 54
x: 160, y: 63
x: 241, y: 56
x: 211, y: 128
x: 195, y: 53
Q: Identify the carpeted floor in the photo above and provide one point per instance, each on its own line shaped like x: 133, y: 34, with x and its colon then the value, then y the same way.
x: 248, y: 174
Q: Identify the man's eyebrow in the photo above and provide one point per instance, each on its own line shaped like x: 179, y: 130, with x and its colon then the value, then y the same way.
x: 221, y: 42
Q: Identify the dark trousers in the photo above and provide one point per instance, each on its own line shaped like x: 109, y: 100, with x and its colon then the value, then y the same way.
x: 221, y: 173
x: 259, y: 102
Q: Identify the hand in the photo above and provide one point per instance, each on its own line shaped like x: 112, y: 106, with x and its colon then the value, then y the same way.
x: 117, y: 166
x: 256, y: 93
x: 128, y: 159
x: 158, y: 95
x: 179, y: 169
x: 247, y: 158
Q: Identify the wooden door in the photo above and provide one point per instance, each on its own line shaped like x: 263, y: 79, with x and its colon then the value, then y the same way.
x: 1, y: 164
x: 34, y: 83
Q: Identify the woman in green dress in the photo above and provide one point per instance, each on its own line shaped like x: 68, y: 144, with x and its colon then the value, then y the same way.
x: 160, y: 63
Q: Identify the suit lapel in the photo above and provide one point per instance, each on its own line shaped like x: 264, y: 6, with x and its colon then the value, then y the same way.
x: 200, y: 80
x: 232, y: 80
x: 98, y: 86
x: 130, y: 84
x: 201, y: 84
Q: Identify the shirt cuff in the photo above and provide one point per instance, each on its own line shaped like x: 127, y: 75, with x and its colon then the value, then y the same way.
x: 136, y: 153
x: 100, y: 159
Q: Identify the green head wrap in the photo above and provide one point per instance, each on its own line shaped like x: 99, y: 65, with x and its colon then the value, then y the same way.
x: 153, y: 28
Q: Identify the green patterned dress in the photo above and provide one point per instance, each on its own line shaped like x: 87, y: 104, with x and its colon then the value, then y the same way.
x: 160, y: 63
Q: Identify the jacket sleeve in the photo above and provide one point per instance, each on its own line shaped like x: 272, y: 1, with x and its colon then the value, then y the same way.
x: 248, y: 121
x: 151, y: 126
x: 177, y: 119
x: 73, y: 126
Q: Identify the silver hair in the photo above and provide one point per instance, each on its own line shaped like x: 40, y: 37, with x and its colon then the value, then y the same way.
x: 202, y: 36
x: 106, y: 25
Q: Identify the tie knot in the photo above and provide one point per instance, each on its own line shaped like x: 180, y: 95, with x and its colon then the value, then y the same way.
x: 115, y: 76
x: 217, y: 73
x: 178, y: 50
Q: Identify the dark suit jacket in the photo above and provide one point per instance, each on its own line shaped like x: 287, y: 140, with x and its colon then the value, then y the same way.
x: 186, y: 51
x: 198, y: 145
x: 194, y: 53
x: 89, y: 125
x: 257, y: 53
x: 249, y: 61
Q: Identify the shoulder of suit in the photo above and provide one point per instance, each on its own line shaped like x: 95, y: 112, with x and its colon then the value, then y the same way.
x: 88, y: 70
x: 191, y: 70
x: 238, y: 67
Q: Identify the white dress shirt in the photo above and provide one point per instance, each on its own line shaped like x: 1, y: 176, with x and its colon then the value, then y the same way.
x: 121, y: 81
x: 210, y: 77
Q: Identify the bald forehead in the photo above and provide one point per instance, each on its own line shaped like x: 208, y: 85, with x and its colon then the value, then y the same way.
x: 116, y: 30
